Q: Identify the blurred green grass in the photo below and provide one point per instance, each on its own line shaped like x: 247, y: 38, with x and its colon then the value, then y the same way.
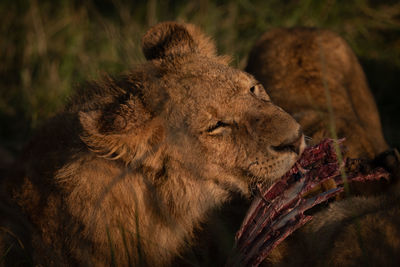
x: 47, y: 47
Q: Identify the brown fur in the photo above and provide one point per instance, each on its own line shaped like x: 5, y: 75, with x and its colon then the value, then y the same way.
x: 297, y: 66
x: 131, y: 167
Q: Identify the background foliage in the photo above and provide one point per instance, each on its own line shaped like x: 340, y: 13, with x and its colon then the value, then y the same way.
x: 47, y: 47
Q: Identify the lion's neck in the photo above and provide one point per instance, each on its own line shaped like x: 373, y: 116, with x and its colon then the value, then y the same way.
x: 158, y: 212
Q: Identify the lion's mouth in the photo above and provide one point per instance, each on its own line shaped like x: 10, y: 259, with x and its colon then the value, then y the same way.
x: 282, y: 159
x: 271, y: 170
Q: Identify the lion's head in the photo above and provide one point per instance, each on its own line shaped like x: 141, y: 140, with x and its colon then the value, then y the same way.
x: 186, y: 104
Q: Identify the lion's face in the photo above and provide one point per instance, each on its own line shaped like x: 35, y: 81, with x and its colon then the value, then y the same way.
x: 221, y: 119
x: 212, y: 120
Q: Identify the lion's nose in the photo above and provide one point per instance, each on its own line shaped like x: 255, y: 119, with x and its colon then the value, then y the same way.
x: 296, y: 145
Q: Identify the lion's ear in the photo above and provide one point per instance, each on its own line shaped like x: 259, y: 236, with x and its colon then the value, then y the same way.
x: 125, y: 131
x: 116, y: 118
x: 98, y: 122
x: 175, y: 39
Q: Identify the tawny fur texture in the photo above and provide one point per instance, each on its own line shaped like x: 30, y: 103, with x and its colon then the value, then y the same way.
x: 297, y: 66
x: 307, y: 71
x: 358, y: 231
x: 132, y: 166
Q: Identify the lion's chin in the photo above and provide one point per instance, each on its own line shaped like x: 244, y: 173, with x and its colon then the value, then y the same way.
x: 266, y: 179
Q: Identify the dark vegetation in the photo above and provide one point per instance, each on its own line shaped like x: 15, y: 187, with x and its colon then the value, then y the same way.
x: 47, y: 47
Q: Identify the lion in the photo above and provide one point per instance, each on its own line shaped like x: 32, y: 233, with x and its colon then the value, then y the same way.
x: 135, y: 163
x: 315, y: 76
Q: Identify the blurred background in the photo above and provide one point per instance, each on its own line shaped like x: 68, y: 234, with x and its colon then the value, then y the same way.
x: 47, y: 47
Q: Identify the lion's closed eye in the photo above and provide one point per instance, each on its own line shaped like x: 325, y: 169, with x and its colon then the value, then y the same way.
x: 219, y: 128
